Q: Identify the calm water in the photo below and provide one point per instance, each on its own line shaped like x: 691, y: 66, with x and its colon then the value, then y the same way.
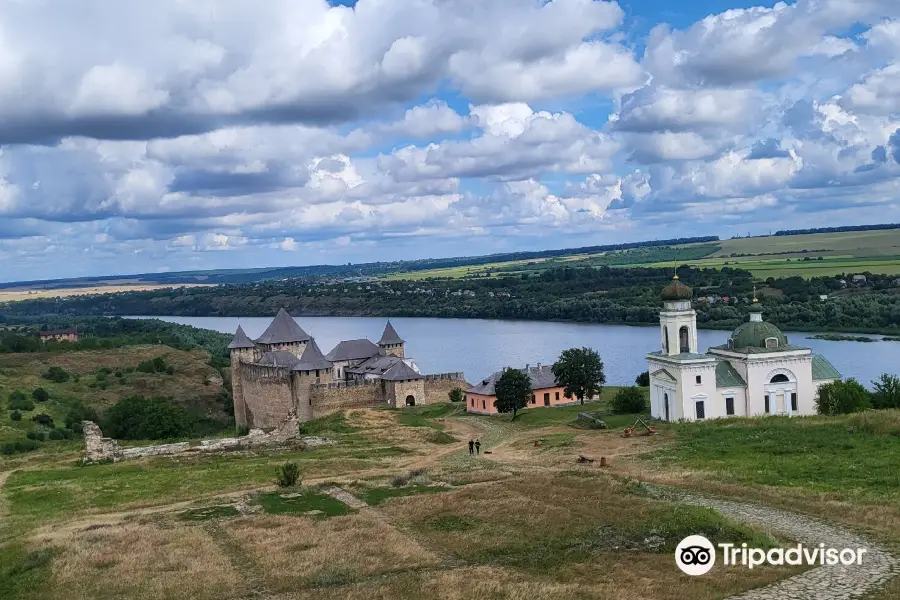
x: 479, y: 347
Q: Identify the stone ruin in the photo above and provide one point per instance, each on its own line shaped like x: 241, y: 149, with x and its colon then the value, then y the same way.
x: 103, y: 449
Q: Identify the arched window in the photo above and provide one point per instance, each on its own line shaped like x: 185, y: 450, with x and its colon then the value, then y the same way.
x: 666, y: 400
x: 780, y: 378
x: 684, y: 339
x: 666, y: 340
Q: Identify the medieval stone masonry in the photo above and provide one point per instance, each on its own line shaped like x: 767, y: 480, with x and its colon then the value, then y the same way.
x: 283, y: 374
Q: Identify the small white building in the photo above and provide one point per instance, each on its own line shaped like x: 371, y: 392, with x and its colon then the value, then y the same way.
x: 756, y: 373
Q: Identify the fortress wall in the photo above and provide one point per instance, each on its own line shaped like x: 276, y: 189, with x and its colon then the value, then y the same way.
x: 438, y: 386
x: 267, y: 394
x: 332, y: 398
x: 237, y: 390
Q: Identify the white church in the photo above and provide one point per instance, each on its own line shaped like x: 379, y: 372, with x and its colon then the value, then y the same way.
x: 756, y: 373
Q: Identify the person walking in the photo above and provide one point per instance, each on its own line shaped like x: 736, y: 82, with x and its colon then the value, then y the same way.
x: 471, y: 447
x: 477, y: 447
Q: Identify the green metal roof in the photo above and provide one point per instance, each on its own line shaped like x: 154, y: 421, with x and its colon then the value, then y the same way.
x: 675, y: 290
x: 754, y: 333
x: 727, y: 376
x: 757, y: 350
x: 680, y: 357
x: 822, y: 369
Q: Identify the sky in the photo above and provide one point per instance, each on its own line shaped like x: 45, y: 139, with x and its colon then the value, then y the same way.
x: 173, y: 135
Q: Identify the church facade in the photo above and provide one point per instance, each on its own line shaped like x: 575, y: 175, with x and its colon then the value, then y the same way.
x: 284, y: 375
x: 757, y: 372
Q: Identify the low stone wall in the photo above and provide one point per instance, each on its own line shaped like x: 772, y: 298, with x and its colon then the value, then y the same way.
x: 102, y: 449
x: 438, y: 387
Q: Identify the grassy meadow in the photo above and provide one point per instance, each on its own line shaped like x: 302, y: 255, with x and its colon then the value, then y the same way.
x: 523, y: 520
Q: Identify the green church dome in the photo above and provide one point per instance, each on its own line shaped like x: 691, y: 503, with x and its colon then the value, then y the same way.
x: 755, y: 333
x: 675, y: 290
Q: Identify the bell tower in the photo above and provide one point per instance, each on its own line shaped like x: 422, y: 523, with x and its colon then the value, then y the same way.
x: 677, y: 320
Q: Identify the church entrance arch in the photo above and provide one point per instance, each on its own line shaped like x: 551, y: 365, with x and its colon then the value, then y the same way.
x: 410, y: 400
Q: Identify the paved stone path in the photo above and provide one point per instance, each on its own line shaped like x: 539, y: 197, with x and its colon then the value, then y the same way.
x: 837, y: 582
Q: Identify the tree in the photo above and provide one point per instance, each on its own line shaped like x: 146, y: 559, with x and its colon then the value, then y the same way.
x: 842, y: 397
x: 56, y: 374
x: 18, y: 401
x: 643, y: 380
x: 136, y: 418
x: 580, y: 371
x: 513, y: 391
x: 40, y: 395
x: 887, y: 391
x: 629, y: 401
x: 456, y: 395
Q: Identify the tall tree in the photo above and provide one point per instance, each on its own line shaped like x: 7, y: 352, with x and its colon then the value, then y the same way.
x: 580, y: 371
x: 513, y: 391
x: 887, y: 391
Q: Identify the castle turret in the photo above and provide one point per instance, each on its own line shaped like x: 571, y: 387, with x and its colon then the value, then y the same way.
x: 390, y: 342
x: 241, y: 349
x: 313, y: 368
x: 678, y: 319
x: 283, y: 333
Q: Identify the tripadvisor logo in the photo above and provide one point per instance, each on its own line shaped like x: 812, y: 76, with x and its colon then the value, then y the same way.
x: 696, y: 555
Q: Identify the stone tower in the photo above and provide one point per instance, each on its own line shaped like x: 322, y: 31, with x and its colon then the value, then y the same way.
x: 390, y: 342
x: 283, y: 333
x: 678, y: 320
x: 241, y: 349
x: 312, y: 368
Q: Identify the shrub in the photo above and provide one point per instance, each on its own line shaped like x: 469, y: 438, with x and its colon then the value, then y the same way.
x: 56, y: 374
x: 18, y: 401
x: 629, y: 401
x: 101, y: 376
x: 456, y: 395
x: 137, y: 418
x: 43, y: 419
x: 18, y: 446
x: 643, y: 380
x: 242, y: 430
x: 37, y: 436
x: 56, y: 434
x: 842, y: 397
x: 78, y: 413
x: 288, y: 474
x: 15, y: 416
x: 40, y: 395
x: 170, y: 370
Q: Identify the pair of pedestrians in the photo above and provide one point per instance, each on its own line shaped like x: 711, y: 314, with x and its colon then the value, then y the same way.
x: 474, y: 447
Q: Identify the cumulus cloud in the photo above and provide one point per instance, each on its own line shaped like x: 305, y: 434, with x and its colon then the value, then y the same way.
x: 302, y: 131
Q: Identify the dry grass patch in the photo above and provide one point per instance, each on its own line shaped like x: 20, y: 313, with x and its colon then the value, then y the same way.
x: 143, y: 561
x: 297, y: 552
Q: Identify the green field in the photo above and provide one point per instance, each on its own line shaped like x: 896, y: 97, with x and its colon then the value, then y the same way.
x: 770, y: 256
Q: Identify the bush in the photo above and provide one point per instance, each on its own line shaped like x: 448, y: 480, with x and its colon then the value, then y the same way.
x: 18, y: 446
x: 842, y: 397
x: 40, y: 395
x: 288, y: 474
x: 170, y: 370
x: 456, y: 395
x: 629, y: 401
x: 643, y: 380
x: 56, y: 434
x: 887, y: 391
x: 37, y: 436
x: 43, y: 419
x: 137, y: 418
x: 242, y: 430
x: 15, y: 416
x: 157, y: 365
x: 79, y: 413
x: 18, y: 401
x: 56, y: 374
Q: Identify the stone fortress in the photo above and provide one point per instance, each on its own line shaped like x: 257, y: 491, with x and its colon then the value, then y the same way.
x: 284, y: 375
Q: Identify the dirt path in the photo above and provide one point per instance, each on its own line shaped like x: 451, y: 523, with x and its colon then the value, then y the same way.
x: 837, y: 582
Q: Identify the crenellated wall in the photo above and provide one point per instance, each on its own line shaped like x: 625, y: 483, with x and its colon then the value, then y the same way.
x: 438, y: 386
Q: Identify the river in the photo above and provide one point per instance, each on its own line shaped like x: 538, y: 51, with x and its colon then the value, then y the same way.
x: 478, y: 347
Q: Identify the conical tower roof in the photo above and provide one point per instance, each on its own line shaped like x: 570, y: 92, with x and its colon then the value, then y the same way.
x: 283, y: 330
x: 389, y: 336
x: 240, y: 340
x: 312, y: 358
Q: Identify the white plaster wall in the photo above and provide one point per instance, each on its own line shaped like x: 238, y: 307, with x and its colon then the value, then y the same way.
x: 671, y: 322
x: 800, y: 367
